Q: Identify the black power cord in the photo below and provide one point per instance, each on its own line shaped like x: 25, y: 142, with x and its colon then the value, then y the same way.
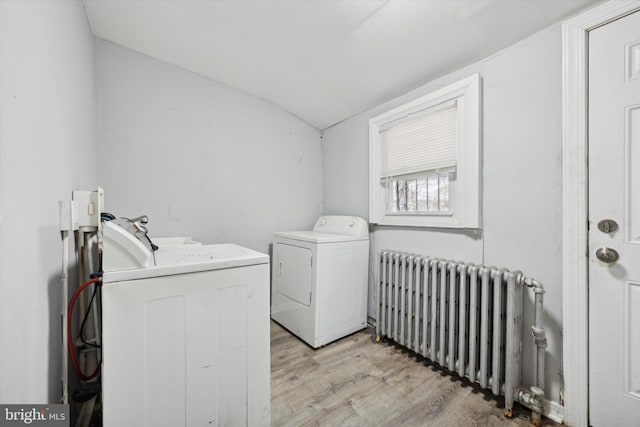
x: 86, y: 316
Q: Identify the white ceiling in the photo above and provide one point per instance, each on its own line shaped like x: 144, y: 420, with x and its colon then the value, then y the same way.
x: 322, y: 60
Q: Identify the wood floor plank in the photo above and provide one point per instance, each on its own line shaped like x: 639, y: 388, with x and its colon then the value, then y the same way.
x: 357, y: 382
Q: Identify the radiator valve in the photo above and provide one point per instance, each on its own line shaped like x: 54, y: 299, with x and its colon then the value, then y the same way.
x: 534, y: 400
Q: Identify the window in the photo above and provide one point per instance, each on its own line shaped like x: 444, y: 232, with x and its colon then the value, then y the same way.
x: 425, y: 160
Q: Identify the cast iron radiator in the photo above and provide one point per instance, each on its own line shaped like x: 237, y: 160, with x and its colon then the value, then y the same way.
x: 466, y: 318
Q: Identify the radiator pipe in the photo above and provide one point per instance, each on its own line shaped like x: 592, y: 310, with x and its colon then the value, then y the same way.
x: 539, y: 334
x: 535, y: 398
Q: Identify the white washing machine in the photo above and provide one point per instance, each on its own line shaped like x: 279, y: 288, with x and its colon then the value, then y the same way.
x: 319, y: 279
x: 185, y: 334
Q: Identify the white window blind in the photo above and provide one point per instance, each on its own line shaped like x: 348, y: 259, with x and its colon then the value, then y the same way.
x: 420, y: 144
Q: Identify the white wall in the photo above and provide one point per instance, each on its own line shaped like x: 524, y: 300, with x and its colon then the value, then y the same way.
x: 199, y: 158
x: 47, y: 148
x: 522, y: 203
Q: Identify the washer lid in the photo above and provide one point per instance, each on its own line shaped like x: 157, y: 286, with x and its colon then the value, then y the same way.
x: 318, y: 237
x: 190, y: 259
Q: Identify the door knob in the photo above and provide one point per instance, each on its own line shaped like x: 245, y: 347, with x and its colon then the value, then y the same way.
x: 608, y: 226
x: 607, y: 255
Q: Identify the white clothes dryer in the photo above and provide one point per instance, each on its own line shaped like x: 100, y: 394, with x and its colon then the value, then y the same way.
x: 319, y: 279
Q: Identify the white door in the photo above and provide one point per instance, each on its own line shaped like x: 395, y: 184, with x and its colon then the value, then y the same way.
x: 614, y: 195
x: 293, y: 272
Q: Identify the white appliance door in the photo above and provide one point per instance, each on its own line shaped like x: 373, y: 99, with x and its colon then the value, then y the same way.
x: 614, y: 223
x: 293, y: 268
x: 187, y: 350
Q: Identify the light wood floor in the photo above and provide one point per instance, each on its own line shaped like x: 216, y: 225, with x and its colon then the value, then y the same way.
x: 357, y: 382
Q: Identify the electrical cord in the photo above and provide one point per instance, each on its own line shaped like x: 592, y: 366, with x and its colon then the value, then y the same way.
x: 84, y: 320
x: 72, y: 353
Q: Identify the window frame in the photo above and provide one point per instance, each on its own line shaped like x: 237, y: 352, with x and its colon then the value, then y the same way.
x: 467, y: 185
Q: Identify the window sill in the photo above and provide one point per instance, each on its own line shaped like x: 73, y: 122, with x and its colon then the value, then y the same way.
x: 427, y: 221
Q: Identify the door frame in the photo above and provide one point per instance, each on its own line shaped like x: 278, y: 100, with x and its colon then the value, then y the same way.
x: 575, y: 308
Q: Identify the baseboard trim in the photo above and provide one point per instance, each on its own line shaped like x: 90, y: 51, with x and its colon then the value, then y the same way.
x: 554, y: 411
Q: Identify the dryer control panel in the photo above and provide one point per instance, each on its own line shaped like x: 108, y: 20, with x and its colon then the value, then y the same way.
x: 342, y: 224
